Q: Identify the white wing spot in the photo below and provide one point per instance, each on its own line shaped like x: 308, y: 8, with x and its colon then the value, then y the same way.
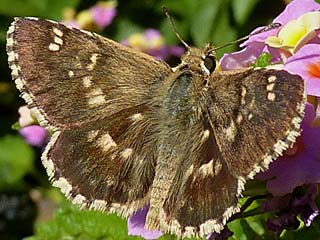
x: 126, y: 153
x: 10, y: 42
x: 92, y: 135
x: 19, y: 83
x: 271, y: 96
x: 206, y: 169
x: 70, y: 73
x: 58, y: 40
x: 239, y: 118
x: 243, y: 95
x: 93, y: 60
x: 270, y: 86
x: 106, y: 142
x: 136, y: 117
x: 96, y: 97
x: 250, y: 116
x: 15, y: 70
x: 272, y: 78
x: 12, y: 56
x: 10, y: 30
x: 54, y: 47
x: 86, y: 81
x: 205, y: 135
x: 231, y: 131
x: 57, y: 32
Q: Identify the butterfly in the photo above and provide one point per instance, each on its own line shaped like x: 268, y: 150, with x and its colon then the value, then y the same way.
x: 128, y: 131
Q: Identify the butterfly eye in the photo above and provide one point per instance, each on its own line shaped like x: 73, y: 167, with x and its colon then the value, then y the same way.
x: 210, y: 63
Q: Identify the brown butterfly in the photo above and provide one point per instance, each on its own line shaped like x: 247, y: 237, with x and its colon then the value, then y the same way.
x: 129, y: 131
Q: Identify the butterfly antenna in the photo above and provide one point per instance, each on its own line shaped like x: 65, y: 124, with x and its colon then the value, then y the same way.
x: 265, y: 29
x: 166, y: 12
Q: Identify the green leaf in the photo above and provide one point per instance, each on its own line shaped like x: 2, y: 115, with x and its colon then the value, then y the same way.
x: 264, y: 60
x: 236, y: 227
x: 202, y: 20
x: 16, y: 159
x: 43, y: 8
x: 71, y: 223
x: 223, y: 32
x: 242, y: 9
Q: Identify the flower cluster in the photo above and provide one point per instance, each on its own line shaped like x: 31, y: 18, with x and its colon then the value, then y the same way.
x: 99, y: 16
x: 153, y: 43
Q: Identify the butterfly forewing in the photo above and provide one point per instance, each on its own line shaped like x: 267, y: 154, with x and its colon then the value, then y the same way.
x: 260, y: 118
x: 93, y: 94
x: 76, y: 76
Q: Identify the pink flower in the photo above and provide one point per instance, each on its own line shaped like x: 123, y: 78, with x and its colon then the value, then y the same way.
x: 103, y: 14
x: 302, y: 167
x: 35, y: 135
x: 136, y: 225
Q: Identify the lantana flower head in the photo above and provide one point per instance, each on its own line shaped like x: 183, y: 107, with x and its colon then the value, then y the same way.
x: 98, y: 16
x: 153, y: 43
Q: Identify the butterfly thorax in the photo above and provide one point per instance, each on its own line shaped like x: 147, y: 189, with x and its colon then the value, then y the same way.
x: 186, y: 88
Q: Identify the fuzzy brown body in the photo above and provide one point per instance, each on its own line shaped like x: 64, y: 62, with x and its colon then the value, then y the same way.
x: 127, y: 130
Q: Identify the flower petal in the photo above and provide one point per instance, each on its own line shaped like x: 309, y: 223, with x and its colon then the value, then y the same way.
x: 136, y: 225
x: 35, y: 135
x: 288, y: 172
x: 306, y: 63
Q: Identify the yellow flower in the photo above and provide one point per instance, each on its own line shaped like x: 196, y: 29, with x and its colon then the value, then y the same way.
x: 296, y: 33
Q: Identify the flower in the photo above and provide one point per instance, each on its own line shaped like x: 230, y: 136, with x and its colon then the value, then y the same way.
x: 25, y: 118
x: 296, y: 45
x: 306, y: 63
x: 103, y: 13
x: 303, y: 167
x: 296, y: 33
x: 34, y: 134
x: 98, y: 16
x: 152, y: 42
x: 136, y: 225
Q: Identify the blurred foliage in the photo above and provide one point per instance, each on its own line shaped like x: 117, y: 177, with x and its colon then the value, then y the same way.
x: 198, y: 22
x: 71, y: 223
x: 14, y: 165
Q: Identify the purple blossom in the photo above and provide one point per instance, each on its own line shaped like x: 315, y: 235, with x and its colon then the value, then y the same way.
x: 306, y: 63
x: 256, y: 45
x: 151, y: 34
x: 292, y: 11
x: 303, y: 167
x: 165, y: 52
x: 152, y: 42
x: 136, y: 225
x: 103, y: 14
x: 35, y: 135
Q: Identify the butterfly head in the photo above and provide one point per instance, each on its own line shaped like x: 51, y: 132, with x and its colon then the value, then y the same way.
x: 200, y: 61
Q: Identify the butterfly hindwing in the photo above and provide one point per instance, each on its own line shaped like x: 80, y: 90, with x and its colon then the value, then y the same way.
x: 106, y: 164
